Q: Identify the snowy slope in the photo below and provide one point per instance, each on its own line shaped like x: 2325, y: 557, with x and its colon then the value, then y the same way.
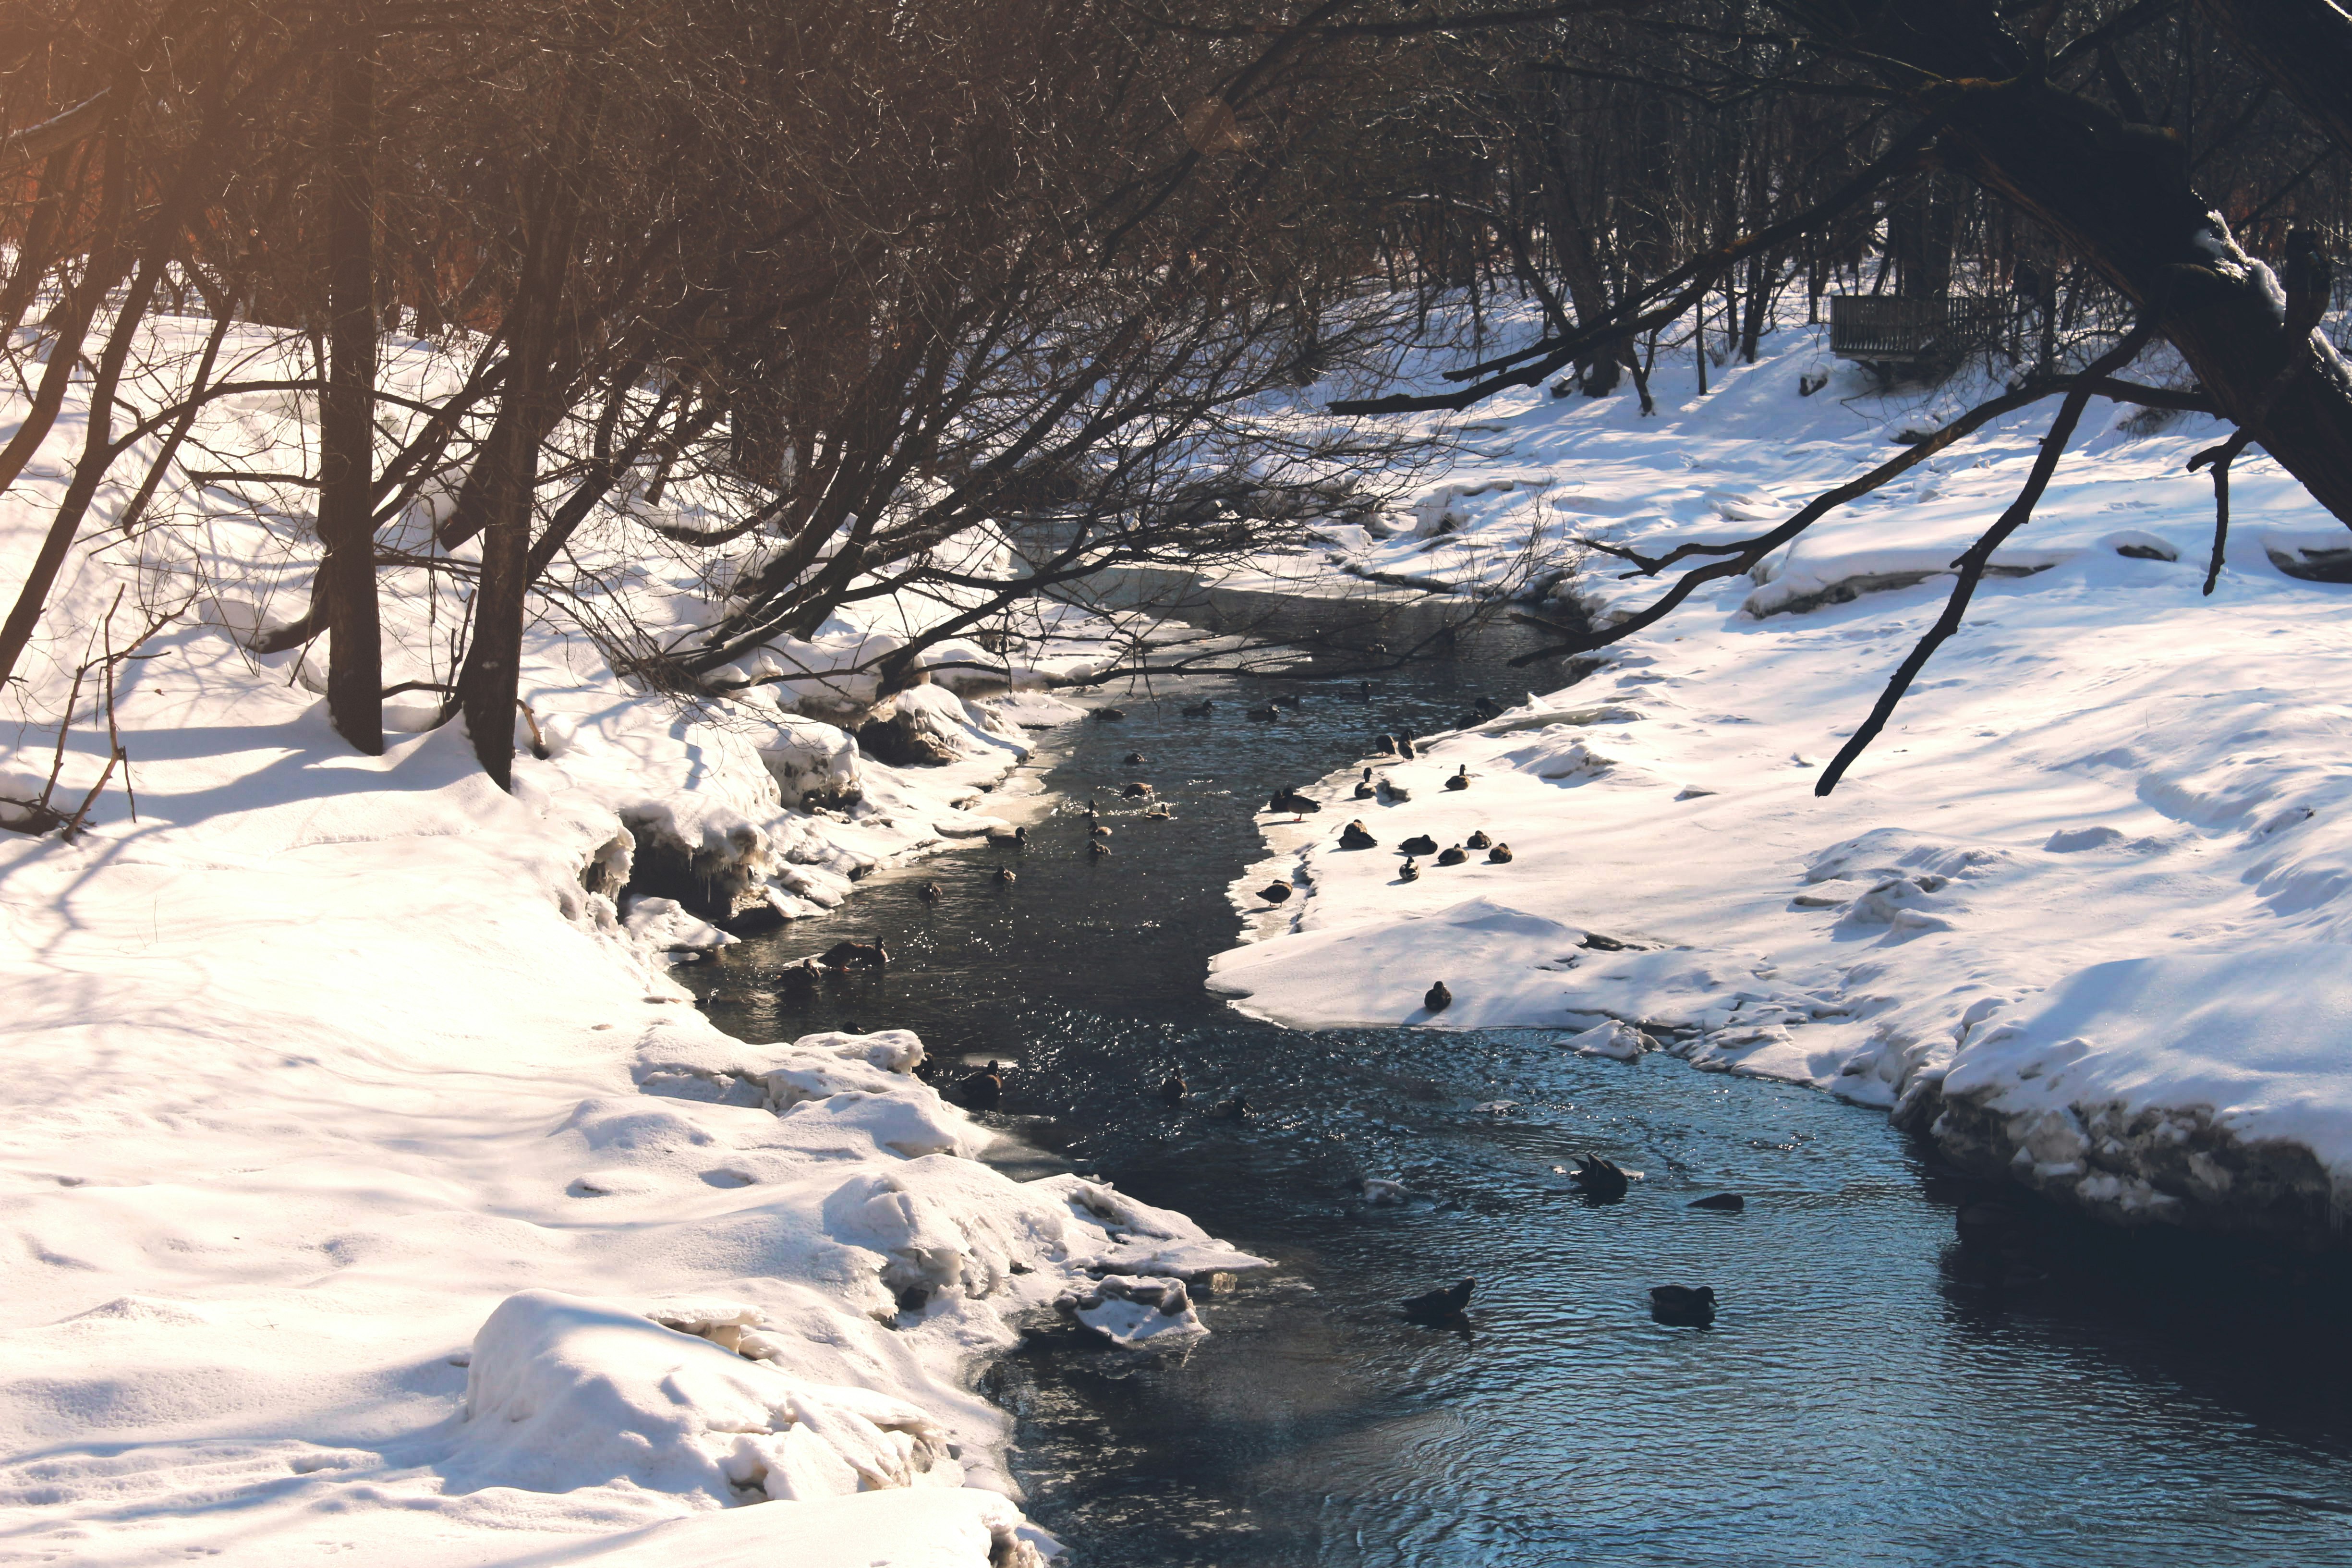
x: 369, y: 1189
x: 2104, y: 767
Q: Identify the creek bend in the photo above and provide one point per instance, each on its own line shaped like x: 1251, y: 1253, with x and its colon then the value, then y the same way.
x: 1871, y: 1393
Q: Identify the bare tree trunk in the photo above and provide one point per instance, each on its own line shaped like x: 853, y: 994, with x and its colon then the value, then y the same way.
x: 347, y: 410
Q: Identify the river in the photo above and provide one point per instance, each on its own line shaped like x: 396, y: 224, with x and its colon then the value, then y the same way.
x: 1871, y: 1393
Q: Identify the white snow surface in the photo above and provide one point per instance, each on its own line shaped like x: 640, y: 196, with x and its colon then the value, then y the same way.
x: 367, y: 1187
x: 2101, y: 856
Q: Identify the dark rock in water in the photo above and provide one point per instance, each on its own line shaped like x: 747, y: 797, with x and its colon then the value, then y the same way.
x: 1437, y: 998
x: 1683, y: 1306
x: 1171, y: 1091
x: 1275, y: 893
x: 931, y: 892
x: 1478, y: 841
x: 1598, y: 1179
x: 1135, y: 791
x: 797, y: 983
x: 1291, y: 800
x: 855, y: 955
x: 1385, y: 746
x: 1006, y: 874
x: 982, y: 1091
x: 1108, y: 713
x: 1440, y: 1306
x: 1724, y: 1203
x: 1452, y: 856
x: 1409, y: 871
x: 1099, y: 848
x: 1419, y: 844
x: 1200, y: 709
x: 1356, y: 836
x: 1500, y: 855
x: 1460, y: 780
x: 1134, y: 759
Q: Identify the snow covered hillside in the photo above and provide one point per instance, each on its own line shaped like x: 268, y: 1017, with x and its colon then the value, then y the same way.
x: 2083, y: 909
x: 369, y: 1187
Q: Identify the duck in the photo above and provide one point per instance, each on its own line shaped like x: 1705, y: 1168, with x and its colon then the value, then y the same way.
x: 1683, y: 1306
x: 1171, y: 1091
x: 984, y: 1090
x: 1363, y: 691
x: 797, y: 983
x: 1107, y: 714
x: 1291, y: 700
x: 1419, y: 844
x: 1092, y: 809
x: 1377, y: 1190
x: 1440, y: 1306
x: 1099, y: 848
x: 1158, y: 813
x: 931, y: 892
x: 1478, y: 841
x: 1364, y: 790
x: 1454, y: 856
x: 1500, y: 855
x: 1395, y: 792
x: 1199, y: 710
x: 1137, y: 791
x: 855, y: 955
x: 1461, y: 780
x: 1266, y: 715
x: 1237, y: 1108
x: 1134, y: 759
x: 1487, y: 708
x: 1276, y: 892
x: 1722, y: 1203
x: 1601, y: 1180
x: 1404, y: 748
x: 1356, y: 836
x: 1292, y: 801
x: 1437, y: 998
x: 1098, y: 830
x: 1409, y: 871
x: 1006, y: 875
x: 1385, y: 746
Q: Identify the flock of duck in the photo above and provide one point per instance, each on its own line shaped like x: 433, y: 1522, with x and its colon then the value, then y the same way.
x: 1597, y: 1178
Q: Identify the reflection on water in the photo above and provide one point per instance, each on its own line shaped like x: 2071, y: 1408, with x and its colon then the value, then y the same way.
x: 1868, y: 1395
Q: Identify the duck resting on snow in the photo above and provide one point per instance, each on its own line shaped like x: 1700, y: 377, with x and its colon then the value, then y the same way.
x: 1453, y: 854
x: 1356, y: 836
x: 1437, y: 998
x: 1461, y: 780
x: 1419, y: 844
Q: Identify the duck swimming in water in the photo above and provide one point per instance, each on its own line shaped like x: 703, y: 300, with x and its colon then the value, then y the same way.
x: 1098, y: 831
x: 1597, y: 1178
x: 931, y: 892
x: 1099, y: 848
x: 1682, y: 1306
x: 1137, y: 791
x: 1171, y: 1091
x: 1108, y: 713
x: 1199, y: 710
x: 1006, y: 875
x: 1134, y: 759
x: 1440, y: 1306
x: 984, y: 1090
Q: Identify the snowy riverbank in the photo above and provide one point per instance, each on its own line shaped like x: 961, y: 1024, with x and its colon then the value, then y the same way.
x: 2082, y: 911
x: 371, y: 1186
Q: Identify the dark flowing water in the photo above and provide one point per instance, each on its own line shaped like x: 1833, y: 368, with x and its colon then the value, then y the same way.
x: 1871, y: 1394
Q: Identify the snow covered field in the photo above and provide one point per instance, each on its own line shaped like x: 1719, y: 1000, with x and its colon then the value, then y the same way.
x: 371, y: 1189
x: 2083, y: 908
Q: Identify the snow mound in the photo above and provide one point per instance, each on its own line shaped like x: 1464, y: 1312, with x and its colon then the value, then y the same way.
x: 566, y: 1392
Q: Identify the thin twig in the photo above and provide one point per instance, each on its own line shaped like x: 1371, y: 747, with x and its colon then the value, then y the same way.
x: 1971, y: 564
x: 2221, y: 456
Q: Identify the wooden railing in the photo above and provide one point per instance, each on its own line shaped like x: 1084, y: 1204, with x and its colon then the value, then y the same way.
x: 1883, y: 327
